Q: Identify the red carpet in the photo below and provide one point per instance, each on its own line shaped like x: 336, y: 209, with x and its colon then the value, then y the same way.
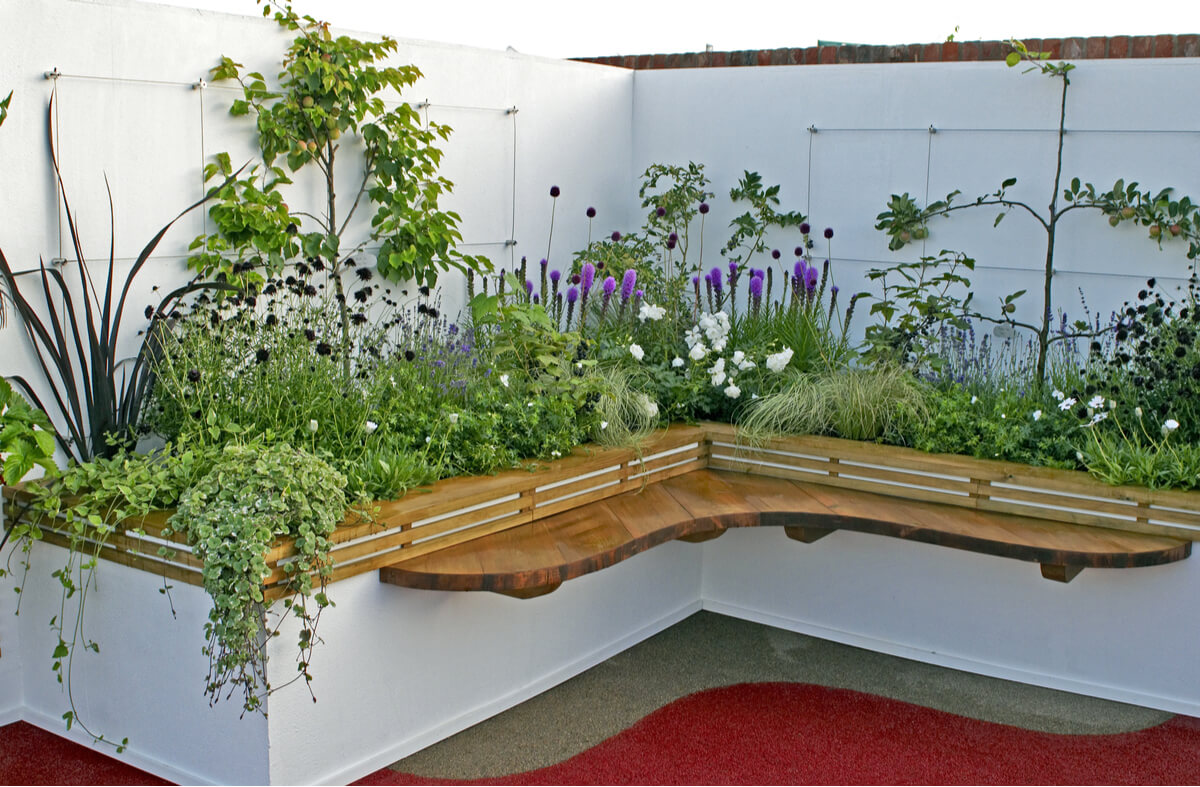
x: 765, y: 733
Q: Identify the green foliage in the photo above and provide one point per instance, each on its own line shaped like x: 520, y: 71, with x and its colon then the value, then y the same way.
x: 26, y: 437
x: 1137, y: 455
x: 750, y: 228
x: 626, y: 414
x: 4, y: 107
x: 253, y: 495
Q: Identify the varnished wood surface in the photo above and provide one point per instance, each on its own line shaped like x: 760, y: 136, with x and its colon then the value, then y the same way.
x: 533, y: 559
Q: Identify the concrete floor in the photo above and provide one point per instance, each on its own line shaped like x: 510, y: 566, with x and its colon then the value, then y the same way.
x: 708, y: 650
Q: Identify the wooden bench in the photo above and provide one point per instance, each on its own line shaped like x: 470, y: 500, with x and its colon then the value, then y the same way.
x: 535, y: 558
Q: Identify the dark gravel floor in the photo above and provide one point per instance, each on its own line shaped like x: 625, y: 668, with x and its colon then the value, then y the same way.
x: 708, y: 650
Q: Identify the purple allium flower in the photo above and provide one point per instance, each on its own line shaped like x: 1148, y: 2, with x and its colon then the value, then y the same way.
x: 799, y: 251
x: 628, y: 282
x: 756, y: 287
x: 670, y: 243
x: 660, y: 212
x: 775, y: 254
x: 591, y: 213
x: 572, y: 295
x: 588, y: 277
x: 703, y: 207
x: 616, y: 236
x: 673, y: 237
x: 610, y: 286
x: 576, y: 278
x: 554, y: 191
x: 805, y: 228
x: 555, y: 276
x: 828, y: 233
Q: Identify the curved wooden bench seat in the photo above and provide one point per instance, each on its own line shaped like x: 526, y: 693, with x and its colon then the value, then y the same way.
x: 534, y: 559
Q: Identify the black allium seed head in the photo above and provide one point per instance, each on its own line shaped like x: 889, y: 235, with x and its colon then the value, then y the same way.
x: 261, y: 355
x: 358, y: 318
x: 310, y: 290
x: 149, y: 312
x: 555, y: 191
x: 272, y: 320
x: 193, y: 375
x: 318, y: 264
x: 303, y: 270
x: 1180, y: 352
x: 290, y: 281
x: 422, y: 308
x: 324, y: 349
x: 433, y: 313
x: 1151, y: 282
x: 591, y: 213
x: 310, y: 334
x: 703, y: 207
x: 292, y: 229
x: 776, y: 254
x: 409, y: 355
x: 424, y: 289
x: 251, y: 301
x: 362, y: 295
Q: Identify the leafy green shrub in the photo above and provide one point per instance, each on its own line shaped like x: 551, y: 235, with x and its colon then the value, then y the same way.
x: 26, y: 437
x: 253, y: 495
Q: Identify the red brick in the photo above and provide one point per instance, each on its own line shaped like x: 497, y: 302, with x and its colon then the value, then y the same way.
x: 1187, y: 46
x: 781, y: 57
x: 812, y: 55
x: 827, y: 55
x: 1072, y: 48
x: 643, y: 61
x: 992, y: 50
x: 1164, y: 46
x: 1096, y: 46
x: 719, y: 59
x: 931, y: 53
x: 968, y: 50
x: 1118, y: 46
x: 1143, y: 46
x: 762, y: 58
x: 658, y: 61
x: 950, y: 50
x: 1051, y: 45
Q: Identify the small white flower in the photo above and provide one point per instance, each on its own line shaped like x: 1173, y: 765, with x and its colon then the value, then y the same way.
x: 428, y: 440
x: 1002, y: 415
x: 1037, y: 415
x: 718, y: 378
x: 1137, y: 411
x: 1112, y: 404
x: 779, y: 361
x: 313, y: 426
x: 453, y: 418
x: 504, y: 380
x: 651, y: 312
x: 732, y: 391
x: 753, y: 396
x: 1169, y: 425
x: 1098, y: 417
x: 637, y: 352
x: 556, y: 454
x: 738, y: 356
x: 1058, y: 395
x: 741, y: 361
x: 1096, y: 402
x: 603, y: 425
x: 677, y: 362
x: 371, y: 426
x: 974, y: 399
x: 649, y: 406
x: 698, y: 351
x: 1079, y: 455
x: 1066, y: 404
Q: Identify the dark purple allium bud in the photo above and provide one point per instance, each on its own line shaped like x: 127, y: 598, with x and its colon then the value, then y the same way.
x: 554, y: 191
x: 805, y: 228
x: 610, y: 286
x: 799, y: 251
x: 591, y: 213
x: 616, y: 236
x: 670, y: 243
x: 660, y: 212
x: 261, y: 355
x: 628, y: 282
x: 572, y: 295
x: 324, y: 349
x: 555, y: 276
x: 576, y: 278
x: 589, y: 276
x: 600, y: 265
x: 673, y: 236
x: 149, y: 312
x: 828, y: 233
x: 775, y: 254
x: 756, y: 287
x: 193, y: 375
x: 703, y: 207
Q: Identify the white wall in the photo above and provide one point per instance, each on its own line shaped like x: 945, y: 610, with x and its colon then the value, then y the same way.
x: 992, y: 122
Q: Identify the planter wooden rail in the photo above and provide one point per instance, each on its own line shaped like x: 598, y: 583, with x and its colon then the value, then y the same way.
x: 921, y: 496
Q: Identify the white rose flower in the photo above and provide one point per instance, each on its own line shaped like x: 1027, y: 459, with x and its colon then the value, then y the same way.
x: 698, y: 351
x: 637, y: 352
x: 677, y: 362
x: 650, y: 312
x: 778, y: 361
x: 732, y: 391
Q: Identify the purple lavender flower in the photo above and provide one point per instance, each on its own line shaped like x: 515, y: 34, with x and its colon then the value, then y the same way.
x: 588, y: 277
x: 834, y: 290
x: 554, y: 191
x: 828, y: 233
x: 610, y: 286
x: 616, y: 236
x: 805, y: 228
x: 703, y: 208
x: 628, y: 282
x: 591, y: 213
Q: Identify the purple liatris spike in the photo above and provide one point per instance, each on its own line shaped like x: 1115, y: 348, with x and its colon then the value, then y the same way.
x: 757, y: 273
x: 628, y: 282
x: 555, y: 276
x: 610, y: 286
x: 544, y: 262
x: 810, y: 278
x: 756, y: 287
x: 800, y: 269
x: 715, y: 277
x: 588, y: 276
x: 572, y: 294
x: 528, y: 287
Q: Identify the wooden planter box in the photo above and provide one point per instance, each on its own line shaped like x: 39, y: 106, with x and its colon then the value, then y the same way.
x: 457, y: 510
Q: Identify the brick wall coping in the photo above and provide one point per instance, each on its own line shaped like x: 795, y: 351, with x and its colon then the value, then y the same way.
x: 950, y: 51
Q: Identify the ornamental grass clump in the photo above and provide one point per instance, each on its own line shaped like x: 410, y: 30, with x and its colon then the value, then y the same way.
x: 232, y: 516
